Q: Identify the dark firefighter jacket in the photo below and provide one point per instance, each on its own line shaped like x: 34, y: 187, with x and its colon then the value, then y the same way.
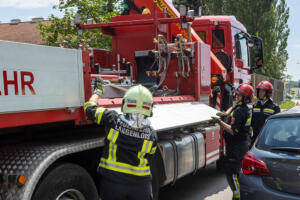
x: 127, y: 151
x: 240, y: 121
x: 260, y: 113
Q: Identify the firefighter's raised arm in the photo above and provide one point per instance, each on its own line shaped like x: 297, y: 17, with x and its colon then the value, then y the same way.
x: 98, y: 90
x: 240, y: 118
x: 224, y: 125
x: 91, y: 108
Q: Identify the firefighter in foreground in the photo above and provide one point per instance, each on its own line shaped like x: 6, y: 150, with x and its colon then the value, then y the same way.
x: 130, y: 143
x: 236, y: 133
x: 263, y: 108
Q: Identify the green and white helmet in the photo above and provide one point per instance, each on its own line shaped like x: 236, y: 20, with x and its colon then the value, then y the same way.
x: 138, y: 100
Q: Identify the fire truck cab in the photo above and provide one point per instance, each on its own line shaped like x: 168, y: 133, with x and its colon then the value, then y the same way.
x: 238, y: 52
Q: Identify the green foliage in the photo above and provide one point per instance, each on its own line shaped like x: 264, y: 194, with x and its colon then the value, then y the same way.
x: 287, y: 104
x: 293, y: 93
x: 60, y: 29
x: 266, y: 19
x: 295, y: 84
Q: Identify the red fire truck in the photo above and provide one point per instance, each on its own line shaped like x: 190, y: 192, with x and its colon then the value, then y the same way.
x: 48, y: 148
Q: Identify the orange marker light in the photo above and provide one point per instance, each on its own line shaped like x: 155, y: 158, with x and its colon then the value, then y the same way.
x: 213, y: 80
x: 22, y: 179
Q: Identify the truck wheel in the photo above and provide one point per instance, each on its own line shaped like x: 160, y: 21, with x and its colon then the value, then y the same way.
x: 66, y: 181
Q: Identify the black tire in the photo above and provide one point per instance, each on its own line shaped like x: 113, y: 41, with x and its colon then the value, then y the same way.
x: 64, y: 177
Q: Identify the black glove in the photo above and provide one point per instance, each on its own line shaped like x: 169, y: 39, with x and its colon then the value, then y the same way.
x: 215, y: 119
x: 221, y: 114
x: 98, y: 86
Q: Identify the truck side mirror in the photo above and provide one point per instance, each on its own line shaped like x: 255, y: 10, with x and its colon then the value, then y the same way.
x: 256, y: 53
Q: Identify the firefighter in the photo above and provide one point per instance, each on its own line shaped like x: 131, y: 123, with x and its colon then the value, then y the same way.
x: 263, y: 108
x: 130, y: 142
x: 236, y: 133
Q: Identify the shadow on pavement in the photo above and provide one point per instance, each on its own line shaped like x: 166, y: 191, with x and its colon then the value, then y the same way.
x: 207, y: 184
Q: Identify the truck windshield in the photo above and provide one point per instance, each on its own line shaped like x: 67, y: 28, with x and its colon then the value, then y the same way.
x: 218, y: 41
x: 241, y: 48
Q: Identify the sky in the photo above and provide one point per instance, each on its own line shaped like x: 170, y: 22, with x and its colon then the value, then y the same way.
x: 27, y: 9
x: 293, y: 63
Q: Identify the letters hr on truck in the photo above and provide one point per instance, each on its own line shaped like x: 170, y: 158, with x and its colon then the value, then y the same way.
x: 26, y: 80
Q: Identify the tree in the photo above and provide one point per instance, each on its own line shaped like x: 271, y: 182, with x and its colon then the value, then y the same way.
x: 60, y: 29
x: 266, y: 19
x: 282, y: 34
x: 297, y: 84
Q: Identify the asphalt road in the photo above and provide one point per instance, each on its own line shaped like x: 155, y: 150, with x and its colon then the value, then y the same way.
x: 207, y: 184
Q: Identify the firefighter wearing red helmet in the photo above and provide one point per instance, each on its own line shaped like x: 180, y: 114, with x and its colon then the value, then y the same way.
x: 236, y: 134
x: 263, y: 108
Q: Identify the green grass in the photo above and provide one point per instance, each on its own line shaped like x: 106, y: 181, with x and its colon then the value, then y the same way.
x: 287, y: 104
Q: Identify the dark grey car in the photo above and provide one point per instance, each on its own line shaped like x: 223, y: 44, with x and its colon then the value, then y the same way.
x: 271, y: 169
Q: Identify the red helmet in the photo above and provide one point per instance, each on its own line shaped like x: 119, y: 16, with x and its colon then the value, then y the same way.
x: 265, y: 85
x: 247, y: 91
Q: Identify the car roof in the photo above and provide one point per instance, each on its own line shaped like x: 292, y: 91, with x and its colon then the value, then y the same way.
x: 293, y: 112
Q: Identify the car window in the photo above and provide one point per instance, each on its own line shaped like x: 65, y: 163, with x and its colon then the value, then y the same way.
x: 280, y: 132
